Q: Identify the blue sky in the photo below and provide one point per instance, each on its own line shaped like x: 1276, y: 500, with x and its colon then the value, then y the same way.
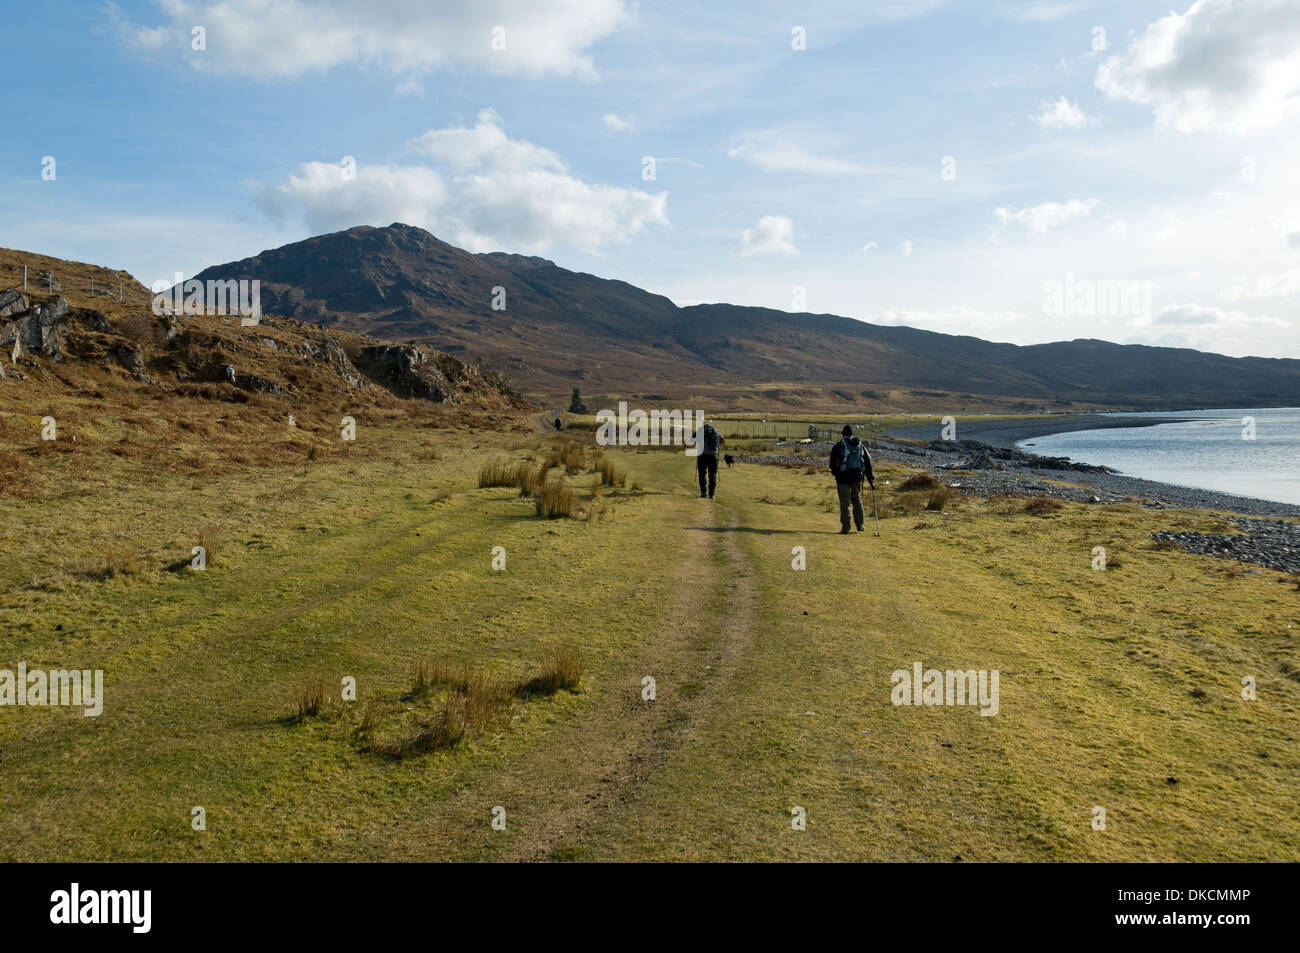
x: 800, y: 179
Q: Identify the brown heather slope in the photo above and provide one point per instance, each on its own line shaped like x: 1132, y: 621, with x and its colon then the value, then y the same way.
x: 205, y: 391
x: 562, y: 329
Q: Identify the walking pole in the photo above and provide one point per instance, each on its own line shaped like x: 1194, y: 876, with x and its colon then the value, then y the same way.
x: 874, y: 510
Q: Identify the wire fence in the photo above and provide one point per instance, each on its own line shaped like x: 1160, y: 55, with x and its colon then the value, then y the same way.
x: 783, y: 430
x: 46, y: 280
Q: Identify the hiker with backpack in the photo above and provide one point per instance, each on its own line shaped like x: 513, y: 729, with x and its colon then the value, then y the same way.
x: 851, y: 465
x: 706, y: 464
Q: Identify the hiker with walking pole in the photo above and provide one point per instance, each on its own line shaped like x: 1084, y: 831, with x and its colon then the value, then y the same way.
x: 851, y: 464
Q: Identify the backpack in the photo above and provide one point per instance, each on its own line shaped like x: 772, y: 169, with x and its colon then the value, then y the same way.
x: 852, y: 459
x: 710, y: 442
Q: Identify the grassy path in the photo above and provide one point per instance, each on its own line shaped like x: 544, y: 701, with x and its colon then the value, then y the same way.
x: 1119, y: 689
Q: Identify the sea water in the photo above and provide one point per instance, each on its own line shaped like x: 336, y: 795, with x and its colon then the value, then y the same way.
x: 1222, y: 451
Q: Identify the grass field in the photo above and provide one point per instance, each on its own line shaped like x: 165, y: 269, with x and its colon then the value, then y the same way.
x: 1120, y: 689
x: 741, y: 429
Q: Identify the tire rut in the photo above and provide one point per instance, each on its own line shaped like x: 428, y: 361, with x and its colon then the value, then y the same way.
x: 692, y: 676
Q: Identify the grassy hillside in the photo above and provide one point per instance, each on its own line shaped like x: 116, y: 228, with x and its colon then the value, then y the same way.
x: 1119, y: 688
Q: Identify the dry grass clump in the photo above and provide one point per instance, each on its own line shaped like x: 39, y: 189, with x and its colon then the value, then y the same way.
x: 568, y: 454
x: 561, y: 671
x: 555, y: 500
x: 498, y: 473
x: 311, y: 698
x: 531, y: 479
x: 1041, y: 506
x: 918, y: 481
x: 457, y: 702
x: 610, y: 474
x: 939, y: 499
x: 109, y: 563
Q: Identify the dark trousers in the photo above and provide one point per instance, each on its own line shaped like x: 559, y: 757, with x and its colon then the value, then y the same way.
x: 706, y: 466
x: 851, y: 493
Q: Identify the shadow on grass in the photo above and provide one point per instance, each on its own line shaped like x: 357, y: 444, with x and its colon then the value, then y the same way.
x: 766, y: 532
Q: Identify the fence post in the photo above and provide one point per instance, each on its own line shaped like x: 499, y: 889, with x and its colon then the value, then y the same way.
x: 24, y: 277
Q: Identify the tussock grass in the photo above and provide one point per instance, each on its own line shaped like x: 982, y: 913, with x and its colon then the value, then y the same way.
x: 610, y: 474
x: 456, y: 702
x: 556, y: 500
x: 561, y: 671
x: 311, y: 698
x: 110, y: 563
x: 568, y: 454
x: 939, y: 499
x: 498, y: 473
x: 531, y: 479
x: 1041, y: 506
x: 918, y: 481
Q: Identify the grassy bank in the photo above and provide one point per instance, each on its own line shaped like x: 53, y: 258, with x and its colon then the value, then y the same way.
x: 1119, y: 688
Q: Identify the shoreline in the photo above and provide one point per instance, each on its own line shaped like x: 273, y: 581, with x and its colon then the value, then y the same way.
x: 1005, y: 434
x: 1268, y: 531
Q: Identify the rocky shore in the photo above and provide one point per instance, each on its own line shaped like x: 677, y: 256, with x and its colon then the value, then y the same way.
x: 981, y: 468
x: 1007, y: 433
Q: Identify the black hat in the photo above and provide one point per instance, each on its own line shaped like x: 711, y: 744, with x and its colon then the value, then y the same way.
x: 847, y: 431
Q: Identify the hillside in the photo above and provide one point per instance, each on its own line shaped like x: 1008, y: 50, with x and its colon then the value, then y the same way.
x: 561, y: 329
x: 89, y: 317
x: 205, y: 391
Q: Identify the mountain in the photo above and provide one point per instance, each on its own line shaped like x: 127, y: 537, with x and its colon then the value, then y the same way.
x: 554, y: 329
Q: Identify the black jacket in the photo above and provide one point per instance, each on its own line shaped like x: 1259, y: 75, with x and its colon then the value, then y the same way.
x: 851, y: 476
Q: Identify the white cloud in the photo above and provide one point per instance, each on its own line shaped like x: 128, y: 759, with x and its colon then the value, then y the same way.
x: 1265, y: 286
x: 485, y: 144
x: 991, y: 325
x: 279, y: 38
x: 1038, y: 219
x: 1061, y: 114
x: 502, y: 194
x: 905, y: 246
x: 868, y: 246
x: 1210, y: 329
x: 1223, y: 64
x: 1200, y: 316
x: 409, y: 87
x: 793, y: 149
x: 774, y: 234
x: 616, y: 123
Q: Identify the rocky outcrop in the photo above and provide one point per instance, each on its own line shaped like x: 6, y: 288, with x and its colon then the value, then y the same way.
x: 13, y: 302
x: 329, y: 350
x: 410, y: 370
x: 250, y: 381
x: 35, y: 331
x: 129, y: 357
x: 282, y: 358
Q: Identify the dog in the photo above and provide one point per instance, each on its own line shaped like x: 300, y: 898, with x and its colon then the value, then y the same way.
x: 729, y: 459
